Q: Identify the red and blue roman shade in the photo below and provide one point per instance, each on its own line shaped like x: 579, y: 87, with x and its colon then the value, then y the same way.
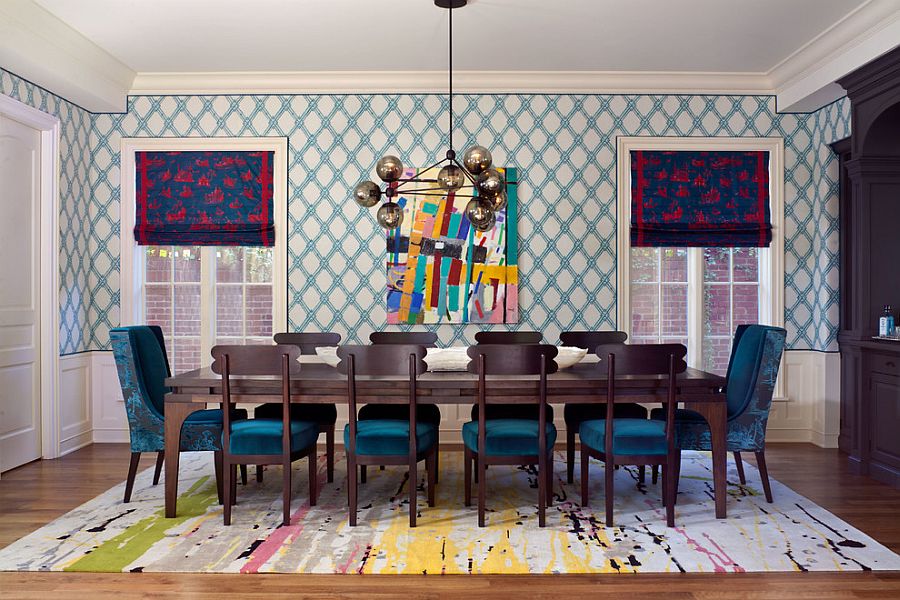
x: 700, y: 199
x: 204, y: 199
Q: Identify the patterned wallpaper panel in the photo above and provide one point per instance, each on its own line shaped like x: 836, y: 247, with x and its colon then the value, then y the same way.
x: 564, y: 146
x: 75, y: 328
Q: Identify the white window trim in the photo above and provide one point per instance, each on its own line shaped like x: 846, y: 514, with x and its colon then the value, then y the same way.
x: 771, y: 264
x: 131, y: 265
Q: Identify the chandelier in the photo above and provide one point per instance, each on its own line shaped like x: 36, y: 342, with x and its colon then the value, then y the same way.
x: 485, y: 185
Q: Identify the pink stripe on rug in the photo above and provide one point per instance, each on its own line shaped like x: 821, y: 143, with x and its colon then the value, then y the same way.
x: 281, y: 536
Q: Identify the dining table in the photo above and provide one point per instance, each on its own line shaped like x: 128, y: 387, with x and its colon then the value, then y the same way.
x: 314, y: 381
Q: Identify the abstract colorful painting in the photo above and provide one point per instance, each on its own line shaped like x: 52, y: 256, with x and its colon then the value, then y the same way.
x: 440, y: 269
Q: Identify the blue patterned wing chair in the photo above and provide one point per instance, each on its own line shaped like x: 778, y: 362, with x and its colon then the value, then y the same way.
x: 750, y: 382
x: 143, y: 366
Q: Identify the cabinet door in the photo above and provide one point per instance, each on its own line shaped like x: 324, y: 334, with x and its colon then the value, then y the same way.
x: 885, y: 419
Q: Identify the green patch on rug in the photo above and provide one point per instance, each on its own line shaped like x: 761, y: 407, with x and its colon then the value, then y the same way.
x: 115, y: 554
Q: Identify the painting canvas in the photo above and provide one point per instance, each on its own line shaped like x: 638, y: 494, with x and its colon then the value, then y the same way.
x: 440, y: 269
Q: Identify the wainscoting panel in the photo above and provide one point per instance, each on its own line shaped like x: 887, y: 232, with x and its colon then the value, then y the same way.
x: 110, y: 422
x: 75, y: 407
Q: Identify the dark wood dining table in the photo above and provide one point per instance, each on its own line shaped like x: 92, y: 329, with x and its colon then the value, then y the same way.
x: 317, y: 382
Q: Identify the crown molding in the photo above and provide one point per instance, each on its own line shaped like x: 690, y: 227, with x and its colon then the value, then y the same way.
x: 805, y: 80
x: 474, y: 82
x: 39, y: 47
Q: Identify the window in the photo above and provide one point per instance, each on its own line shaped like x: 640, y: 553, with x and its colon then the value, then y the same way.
x: 664, y: 294
x: 698, y: 296
x: 203, y: 296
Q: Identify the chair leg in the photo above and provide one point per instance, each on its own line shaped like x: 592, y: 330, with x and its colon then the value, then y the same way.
x: 313, y: 478
x: 549, y: 490
x: 351, y: 488
x: 160, y: 459
x: 413, y: 483
x: 740, y: 468
x: 669, y: 480
x: 226, y: 486
x: 243, y: 474
x: 570, y: 454
x: 437, y: 456
x: 764, y: 474
x: 431, y: 469
x: 132, y: 472
x: 584, y: 476
x: 542, y: 491
x: 234, y: 484
x: 475, y: 473
x: 467, y: 477
x: 362, y: 473
x: 286, y: 493
x: 609, y: 493
x: 259, y: 473
x: 329, y: 453
x: 654, y: 477
x: 642, y: 474
x: 217, y: 463
x: 677, y: 472
x: 482, y: 485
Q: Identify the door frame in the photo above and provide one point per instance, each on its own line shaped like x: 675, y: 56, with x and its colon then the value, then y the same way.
x: 49, y: 127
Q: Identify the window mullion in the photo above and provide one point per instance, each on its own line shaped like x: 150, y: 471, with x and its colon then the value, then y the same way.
x: 207, y: 300
x: 695, y: 307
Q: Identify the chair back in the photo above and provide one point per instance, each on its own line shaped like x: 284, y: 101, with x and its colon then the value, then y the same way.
x: 641, y: 359
x: 280, y: 360
x: 389, y: 359
x: 508, y: 337
x: 511, y: 359
x: 427, y: 339
x: 308, y: 341
x: 142, y: 366
x: 750, y: 381
x: 589, y: 340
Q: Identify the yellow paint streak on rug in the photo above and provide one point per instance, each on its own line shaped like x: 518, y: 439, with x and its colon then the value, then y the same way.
x: 115, y: 554
x: 501, y: 557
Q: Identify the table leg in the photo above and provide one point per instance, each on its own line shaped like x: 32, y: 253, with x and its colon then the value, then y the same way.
x: 176, y: 413
x: 716, y: 414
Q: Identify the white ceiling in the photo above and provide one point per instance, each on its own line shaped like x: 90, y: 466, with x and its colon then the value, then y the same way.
x: 735, y: 36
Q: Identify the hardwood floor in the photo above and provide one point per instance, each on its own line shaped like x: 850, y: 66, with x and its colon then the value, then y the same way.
x: 37, y: 493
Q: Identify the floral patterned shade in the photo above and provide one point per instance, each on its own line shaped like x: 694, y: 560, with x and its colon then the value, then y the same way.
x: 204, y: 199
x: 713, y: 199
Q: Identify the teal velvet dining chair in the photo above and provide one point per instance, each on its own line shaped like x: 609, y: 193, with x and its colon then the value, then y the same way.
x: 325, y: 415
x: 750, y: 383
x: 389, y: 440
x: 264, y: 441
x: 528, y: 439
x: 626, y: 441
x: 143, y: 365
x: 425, y: 412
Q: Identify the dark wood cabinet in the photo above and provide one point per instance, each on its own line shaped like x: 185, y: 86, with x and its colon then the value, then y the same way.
x: 870, y: 269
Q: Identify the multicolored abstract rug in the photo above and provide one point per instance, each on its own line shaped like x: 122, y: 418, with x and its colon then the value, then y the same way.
x: 793, y: 534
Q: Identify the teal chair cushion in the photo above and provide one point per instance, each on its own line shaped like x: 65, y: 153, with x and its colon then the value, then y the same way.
x: 213, y: 416
x: 743, y: 368
x: 389, y: 437
x: 263, y: 436
x: 577, y: 413
x: 635, y: 437
x: 682, y: 415
x: 320, y: 413
x: 508, y: 437
x: 425, y: 413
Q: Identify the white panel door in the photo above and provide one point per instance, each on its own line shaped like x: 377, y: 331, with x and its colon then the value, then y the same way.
x: 20, y: 413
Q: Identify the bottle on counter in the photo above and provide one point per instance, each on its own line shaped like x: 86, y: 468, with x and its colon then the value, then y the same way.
x: 886, y: 322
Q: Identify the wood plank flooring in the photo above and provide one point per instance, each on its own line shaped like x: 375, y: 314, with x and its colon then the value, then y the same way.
x: 38, y: 493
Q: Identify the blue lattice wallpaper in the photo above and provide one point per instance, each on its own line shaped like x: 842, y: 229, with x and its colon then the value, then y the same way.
x: 565, y: 148
x: 74, y: 205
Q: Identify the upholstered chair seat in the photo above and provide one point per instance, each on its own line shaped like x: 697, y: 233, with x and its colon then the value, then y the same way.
x: 508, y: 437
x: 630, y: 436
x: 263, y: 436
x: 390, y: 437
